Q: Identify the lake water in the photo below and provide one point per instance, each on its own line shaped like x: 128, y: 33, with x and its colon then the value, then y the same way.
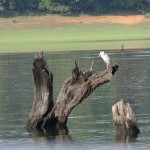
x: 90, y: 123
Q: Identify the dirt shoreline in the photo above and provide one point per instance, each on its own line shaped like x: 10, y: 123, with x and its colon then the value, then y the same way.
x: 53, y: 21
x: 127, y: 20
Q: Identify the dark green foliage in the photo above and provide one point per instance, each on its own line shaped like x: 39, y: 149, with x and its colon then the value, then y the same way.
x: 73, y: 6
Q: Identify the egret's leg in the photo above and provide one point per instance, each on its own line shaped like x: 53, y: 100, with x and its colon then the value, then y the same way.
x: 107, y: 65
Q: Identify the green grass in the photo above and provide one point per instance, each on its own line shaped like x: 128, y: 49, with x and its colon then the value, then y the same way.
x: 77, y: 36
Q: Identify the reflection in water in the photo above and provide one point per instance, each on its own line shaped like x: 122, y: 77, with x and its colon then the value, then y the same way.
x: 56, y: 134
x: 125, y: 146
x: 56, y: 138
x: 60, y: 136
x: 124, y: 138
x: 90, y: 124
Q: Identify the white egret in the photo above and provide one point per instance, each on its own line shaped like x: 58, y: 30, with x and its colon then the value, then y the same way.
x: 105, y: 57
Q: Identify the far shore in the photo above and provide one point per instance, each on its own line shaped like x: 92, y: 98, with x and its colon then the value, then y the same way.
x: 58, y: 33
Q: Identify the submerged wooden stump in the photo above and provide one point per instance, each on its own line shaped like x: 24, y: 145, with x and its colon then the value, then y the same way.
x: 124, y: 120
x: 45, y: 114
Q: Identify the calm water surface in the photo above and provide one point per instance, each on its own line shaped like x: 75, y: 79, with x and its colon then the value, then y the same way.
x: 90, y: 124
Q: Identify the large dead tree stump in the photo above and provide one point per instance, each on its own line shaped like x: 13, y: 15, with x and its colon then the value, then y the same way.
x: 124, y: 120
x: 75, y: 89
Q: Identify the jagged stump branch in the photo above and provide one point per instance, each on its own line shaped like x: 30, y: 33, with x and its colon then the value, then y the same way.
x: 74, y: 91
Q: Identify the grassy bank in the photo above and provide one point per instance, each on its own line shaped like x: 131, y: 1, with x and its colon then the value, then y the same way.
x: 74, y: 36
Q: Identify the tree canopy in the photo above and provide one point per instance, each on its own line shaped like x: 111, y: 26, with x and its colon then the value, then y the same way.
x: 14, y: 7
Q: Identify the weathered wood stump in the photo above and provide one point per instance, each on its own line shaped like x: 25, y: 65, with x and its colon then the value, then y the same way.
x: 124, y: 120
x: 44, y: 113
x: 43, y: 93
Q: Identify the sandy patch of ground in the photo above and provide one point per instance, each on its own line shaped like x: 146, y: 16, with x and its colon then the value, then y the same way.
x: 127, y: 20
x: 49, y: 21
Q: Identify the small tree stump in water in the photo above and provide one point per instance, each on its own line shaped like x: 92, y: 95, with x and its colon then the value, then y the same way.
x: 124, y: 119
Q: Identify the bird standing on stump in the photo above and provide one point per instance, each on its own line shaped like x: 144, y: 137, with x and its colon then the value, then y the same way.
x: 105, y: 57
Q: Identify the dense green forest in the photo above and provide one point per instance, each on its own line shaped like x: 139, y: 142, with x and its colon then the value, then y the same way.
x: 17, y: 7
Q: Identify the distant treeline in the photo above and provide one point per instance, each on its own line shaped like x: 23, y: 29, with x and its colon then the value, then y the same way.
x: 16, y: 7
